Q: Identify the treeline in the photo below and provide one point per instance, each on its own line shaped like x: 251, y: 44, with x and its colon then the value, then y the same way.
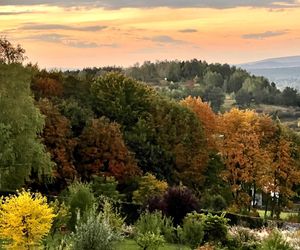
x: 180, y: 79
x: 118, y: 127
x: 57, y: 128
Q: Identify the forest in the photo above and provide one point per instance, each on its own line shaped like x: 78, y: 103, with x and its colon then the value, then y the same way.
x: 152, y: 137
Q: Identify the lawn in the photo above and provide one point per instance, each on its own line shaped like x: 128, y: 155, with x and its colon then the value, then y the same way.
x: 131, y: 245
x: 283, y: 215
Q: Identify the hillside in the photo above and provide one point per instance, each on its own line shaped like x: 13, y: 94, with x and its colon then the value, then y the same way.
x: 284, y: 71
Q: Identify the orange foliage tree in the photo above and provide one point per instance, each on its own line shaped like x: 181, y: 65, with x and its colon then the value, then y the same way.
x: 102, y: 151
x: 283, y: 171
x: 57, y: 137
x: 240, y: 144
x: 206, y: 116
x: 258, y: 154
x: 47, y: 85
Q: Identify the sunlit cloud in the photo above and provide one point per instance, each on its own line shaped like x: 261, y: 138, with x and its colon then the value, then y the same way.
x: 188, y: 30
x: 68, y: 41
x: 118, y: 4
x: 165, y: 39
x: 34, y: 26
x: 263, y: 35
x: 12, y: 13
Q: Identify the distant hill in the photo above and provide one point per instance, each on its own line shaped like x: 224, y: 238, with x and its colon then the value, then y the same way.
x: 284, y: 71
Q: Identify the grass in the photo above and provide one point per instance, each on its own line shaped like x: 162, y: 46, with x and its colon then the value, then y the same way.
x: 283, y: 215
x: 128, y: 244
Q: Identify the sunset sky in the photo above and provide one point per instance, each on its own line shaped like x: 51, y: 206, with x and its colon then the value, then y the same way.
x: 82, y: 33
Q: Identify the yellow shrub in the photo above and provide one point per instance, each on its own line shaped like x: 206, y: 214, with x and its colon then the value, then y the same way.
x: 25, y: 219
x: 149, y: 187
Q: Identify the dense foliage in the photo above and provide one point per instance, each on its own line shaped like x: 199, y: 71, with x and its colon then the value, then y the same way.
x: 22, y: 155
x: 97, y: 134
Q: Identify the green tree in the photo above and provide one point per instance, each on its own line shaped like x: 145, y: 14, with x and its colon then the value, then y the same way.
x: 21, y: 152
x: 213, y: 79
x: 215, y: 96
x: 121, y: 99
x: 290, y: 97
x: 243, y: 98
x: 235, y: 81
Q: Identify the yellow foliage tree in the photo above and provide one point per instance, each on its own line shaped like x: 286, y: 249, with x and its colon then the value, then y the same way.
x: 206, y: 116
x: 149, y: 187
x: 241, y: 146
x: 283, y: 173
x: 25, y: 218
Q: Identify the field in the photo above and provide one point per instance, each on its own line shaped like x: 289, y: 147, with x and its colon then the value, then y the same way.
x: 283, y: 215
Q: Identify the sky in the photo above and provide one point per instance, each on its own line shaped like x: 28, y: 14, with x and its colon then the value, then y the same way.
x: 87, y: 33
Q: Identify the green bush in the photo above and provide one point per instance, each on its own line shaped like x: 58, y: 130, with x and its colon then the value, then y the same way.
x: 107, y: 187
x: 215, y: 202
x: 218, y: 203
x: 150, y: 241
x: 275, y: 241
x: 112, y: 216
x: 191, y: 233
x: 80, y: 198
x: 155, y: 223
x: 94, y: 233
x: 215, y: 228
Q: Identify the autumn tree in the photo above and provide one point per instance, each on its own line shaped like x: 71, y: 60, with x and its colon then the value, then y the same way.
x: 22, y: 152
x: 47, y: 85
x: 10, y: 53
x: 185, y: 140
x: 240, y: 146
x: 101, y: 151
x: 57, y: 137
x: 277, y: 179
x: 206, y: 116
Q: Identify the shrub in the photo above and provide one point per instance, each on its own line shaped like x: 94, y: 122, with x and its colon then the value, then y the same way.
x: 25, y: 218
x: 218, y: 203
x: 244, y: 238
x: 275, y: 241
x: 215, y: 227
x: 191, y: 232
x: 150, y: 241
x: 62, y: 218
x: 113, y: 217
x: 155, y: 223
x: 94, y: 233
x: 107, y: 187
x: 176, y: 203
x: 80, y: 198
x: 149, y: 187
x: 215, y: 202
